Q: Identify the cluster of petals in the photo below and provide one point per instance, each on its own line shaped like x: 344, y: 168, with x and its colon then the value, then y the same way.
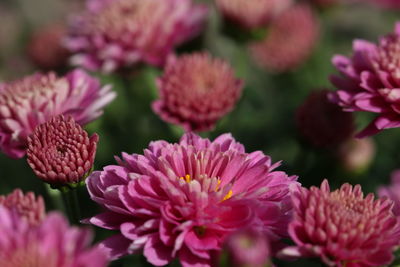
x: 60, y: 151
x: 392, y: 191
x: 27, y: 206
x: 196, y: 90
x: 322, y: 123
x: 290, y: 40
x: 251, y: 14
x: 343, y: 227
x: 369, y: 81
x: 113, y: 34
x: 52, y: 243
x: 33, y: 100
x: 182, y: 200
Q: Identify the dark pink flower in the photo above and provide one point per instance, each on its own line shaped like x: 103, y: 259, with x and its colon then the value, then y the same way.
x: 392, y: 191
x: 27, y: 206
x: 251, y: 14
x: 197, y: 90
x: 112, y: 34
x: 60, y: 152
x: 248, y: 247
x: 182, y: 200
x: 370, y: 81
x: 290, y: 40
x: 52, y: 243
x: 45, y: 48
x: 26, y: 103
x: 343, y: 227
x: 322, y: 123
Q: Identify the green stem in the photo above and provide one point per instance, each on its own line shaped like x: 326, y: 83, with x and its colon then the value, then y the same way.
x: 70, y: 198
x: 56, y: 198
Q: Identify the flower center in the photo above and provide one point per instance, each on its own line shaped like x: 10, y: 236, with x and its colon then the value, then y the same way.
x: 16, y: 93
x: 188, y: 178
x: 121, y: 16
x: 389, y: 55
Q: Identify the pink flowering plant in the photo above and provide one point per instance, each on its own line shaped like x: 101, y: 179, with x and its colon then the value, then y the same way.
x: 199, y: 133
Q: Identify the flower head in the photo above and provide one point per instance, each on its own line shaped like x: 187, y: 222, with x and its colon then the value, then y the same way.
x: 290, y: 41
x: 182, y: 200
x: 52, y: 243
x: 392, y: 191
x: 356, y: 155
x: 113, y: 34
x: 370, y: 81
x: 251, y: 14
x: 26, y: 103
x: 45, y: 47
x: 197, y: 90
x: 248, y: 247
x: 60, y: 152
x: 343, y: 227
x: 27, y: 206
x: 323, y: 123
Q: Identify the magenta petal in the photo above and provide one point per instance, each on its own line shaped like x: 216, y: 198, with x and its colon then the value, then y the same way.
x: 115, y: 246
x: 156, y: 252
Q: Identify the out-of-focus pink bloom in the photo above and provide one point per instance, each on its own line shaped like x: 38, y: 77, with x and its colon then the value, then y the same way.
x: 60, y: 152
x: 290, y: 40
x: 52, y: 243
x: 35, y: 99
x: 322, y: 123
x: 27, y: 206
x: 183, y: 200
x: 325, y: 3
x: 45, y: 48
x: 248, y: 247
x: 251, y: 14
x: 392, y: 191
x: 343, y: 227
x: 356, y: 155
x: 197, y: 90
x: 386, y: 3
x: 370, y: 81
x: 113, y: 34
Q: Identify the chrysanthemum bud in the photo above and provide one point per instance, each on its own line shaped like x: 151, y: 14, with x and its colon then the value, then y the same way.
x: 60, y: 152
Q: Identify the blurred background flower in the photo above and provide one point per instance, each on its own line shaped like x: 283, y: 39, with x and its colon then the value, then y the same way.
x: 114, y: 34
x: 196, y: 90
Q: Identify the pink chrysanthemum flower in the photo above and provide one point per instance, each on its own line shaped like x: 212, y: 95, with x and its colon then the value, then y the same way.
x: 45, y: 48
x: 35, y: 99
x: 343, y: 227
x: 251, y: 14
x: 392, y: 191
x: 322, y: 123
x: 370, y: 81
x: 60, y: 152
x: 290, y: 40
x: 27, y: 206
x: 197, y: 90
x: 113, y: 34
x: 182, y: 200
x: 248, y: 247
x: 52, y: 243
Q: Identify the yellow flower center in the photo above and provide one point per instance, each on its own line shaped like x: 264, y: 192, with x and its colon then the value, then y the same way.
x: 187, y: 178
